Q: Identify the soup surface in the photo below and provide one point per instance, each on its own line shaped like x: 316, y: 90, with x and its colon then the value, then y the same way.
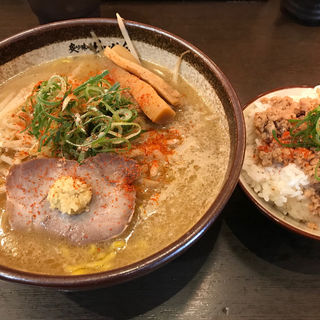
x: 195, y: 153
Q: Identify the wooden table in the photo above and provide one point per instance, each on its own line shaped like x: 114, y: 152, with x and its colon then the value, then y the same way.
x: 245, y: 267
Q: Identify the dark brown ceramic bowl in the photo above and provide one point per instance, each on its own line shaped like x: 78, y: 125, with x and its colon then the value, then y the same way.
x: 269, y: 209
x: 70, y: 37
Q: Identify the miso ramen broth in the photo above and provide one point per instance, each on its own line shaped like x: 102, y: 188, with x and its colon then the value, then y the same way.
x: 198, y: 146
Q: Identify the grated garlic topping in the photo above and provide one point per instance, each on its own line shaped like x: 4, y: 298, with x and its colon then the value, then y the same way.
x: 69, y: 195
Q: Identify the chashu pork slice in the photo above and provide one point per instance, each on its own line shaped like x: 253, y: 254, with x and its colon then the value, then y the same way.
x: 109, y: 212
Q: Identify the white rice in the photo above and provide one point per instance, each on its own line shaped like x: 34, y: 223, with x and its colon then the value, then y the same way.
x: 280, y: 185
x: 276, y: 184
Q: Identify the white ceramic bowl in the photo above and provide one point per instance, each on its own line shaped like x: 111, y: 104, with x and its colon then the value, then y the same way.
x: 268, y: 208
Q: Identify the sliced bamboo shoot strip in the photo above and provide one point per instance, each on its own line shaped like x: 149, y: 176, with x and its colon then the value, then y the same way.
x: 124, y: 53
x: 154, y: 107
x: 162, y: 87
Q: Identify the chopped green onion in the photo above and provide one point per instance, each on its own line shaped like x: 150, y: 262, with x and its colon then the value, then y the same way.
x: 305, y: 133
x: 79, y: 123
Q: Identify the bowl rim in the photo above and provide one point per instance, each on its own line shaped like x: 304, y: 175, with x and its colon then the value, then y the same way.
x: 260, y: 202
x: 171, y: 251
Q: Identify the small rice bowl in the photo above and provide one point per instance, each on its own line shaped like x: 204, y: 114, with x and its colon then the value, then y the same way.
x: 277, y: 189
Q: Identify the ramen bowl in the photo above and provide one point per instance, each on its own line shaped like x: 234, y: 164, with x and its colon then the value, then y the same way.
x: 61, y: 39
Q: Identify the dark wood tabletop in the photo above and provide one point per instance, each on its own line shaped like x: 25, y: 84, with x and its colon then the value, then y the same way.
x: 245, y: 266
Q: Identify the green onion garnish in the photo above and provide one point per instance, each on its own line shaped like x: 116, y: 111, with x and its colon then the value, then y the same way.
x: 305, y: 133
x: 94, y: 117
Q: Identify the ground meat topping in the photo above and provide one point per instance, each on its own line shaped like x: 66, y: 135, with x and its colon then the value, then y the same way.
x: 270, y: 152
